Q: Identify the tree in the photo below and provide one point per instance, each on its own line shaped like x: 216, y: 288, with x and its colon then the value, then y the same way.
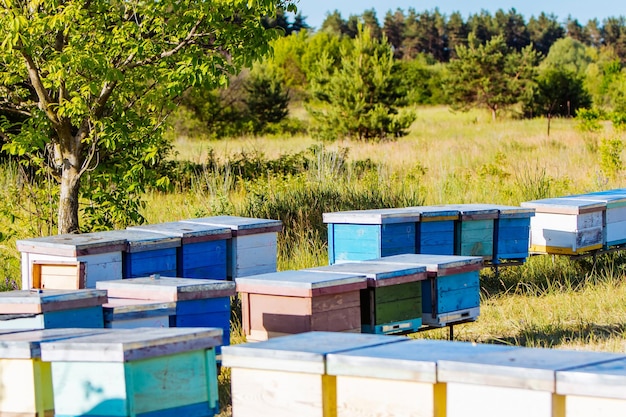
x: 359, y: 99
x: 97, y: 79
x: 544, y: 32
x: 267, y: 100
x: 490, y: 75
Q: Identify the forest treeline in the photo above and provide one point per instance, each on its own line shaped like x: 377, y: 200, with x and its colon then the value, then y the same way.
x: 361, y: 88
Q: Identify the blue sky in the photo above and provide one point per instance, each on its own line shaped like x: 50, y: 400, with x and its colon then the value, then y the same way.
x: 315, y: 10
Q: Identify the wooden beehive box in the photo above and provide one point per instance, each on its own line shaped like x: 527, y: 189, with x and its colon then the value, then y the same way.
x: 96, y: 257
x: 287, y: 376
x: 26, y: 381
x: 516, y: 383
x: 451, y: 294
x: 594, y: 390
x: 435, y: 230
x: 392, y: 301
x: 187, y: 302
x: 565, y: 226
x: 126, y: 313
x: 288, y: 302
x: 146, y: 253
x: 614, y: 219
x: 253, y: 247
x: 202, y: 253
x: 367, y: 234
x: 474, y: 231
x: 50, y: 309
x: 136, y: 372
x: 512, y: 234
x: 396, y: 379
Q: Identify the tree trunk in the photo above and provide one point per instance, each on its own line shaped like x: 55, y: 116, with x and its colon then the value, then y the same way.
x: 68, y: 200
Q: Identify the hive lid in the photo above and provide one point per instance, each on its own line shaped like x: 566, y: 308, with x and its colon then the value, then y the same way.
x: 300, y: 283
x: 241, y: 225
x: 127, y: 308
x: 607, y: 380
x: 436, y: 265
x: 167, y: 288
x: 123, y: 345
x: 73, y: 244
x: 38, y: 301
x: 188, y: 232
x: 565, y: 205
x: 26, y: 344
x: 375, y: 216
x: 436, y: 213
x: 138, y: 240
x: 475, y: 211
x: 514, y: 211
x: 612, y: 200
x: 528, y: 368
x: 378, y: 274
x: 414, y: 360
x: 304, y: 352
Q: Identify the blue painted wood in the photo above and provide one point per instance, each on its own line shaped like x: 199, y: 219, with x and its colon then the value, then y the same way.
x: 146, y: 263
x: 205, y: 260
x: 450, y: 293
x: 512, y: 239
x: 209, y: 312
x: 331, y: 244
x: 435, y: 237
x: 404, y: 326
x: 89, y: 317
x: 359, y: 242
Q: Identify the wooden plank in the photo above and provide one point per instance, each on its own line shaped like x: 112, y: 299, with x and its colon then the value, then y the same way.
x: 168, y: 288
x: 603, y: 380
x: 374, y: 216
x: 187, y: 232
x: 148, y: 262
x: 581, y: 406
x: 564, y: 206
x: 72, y: 245
x: 566, y: 222
x: 399, y: 310
x: 378, y: 274
x: 241, y: 226
x: 41, y: 301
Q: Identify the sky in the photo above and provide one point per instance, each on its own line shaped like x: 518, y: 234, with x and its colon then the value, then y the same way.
x: 315, y: 10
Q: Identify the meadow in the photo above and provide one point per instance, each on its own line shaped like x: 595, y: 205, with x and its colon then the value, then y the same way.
x: 446, y: 158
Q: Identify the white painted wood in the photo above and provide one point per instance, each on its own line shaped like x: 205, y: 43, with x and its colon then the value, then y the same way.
x: 614, y: 215
x: 369, y: 397
x: 566, y: 222
x: 443, y: 319
x: 157, y: 321
x: 468, y: 400
x: 18, y: 383
x: 266, y: 393
x: 100, y: 267
x: 574, y: 240
x: 581, y: 406
x: 616, y: 231
x: 374, y: 216
x: 252, y: 254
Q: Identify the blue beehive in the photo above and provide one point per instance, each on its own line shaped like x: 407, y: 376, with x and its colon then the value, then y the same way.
x: 512, y: 234
x: 146, y: 253
x: 435, y: 230
x: 202, y: 253
x: 136, y: 372
x: 189, y: 302
x: 452, y: 292
x: 367, y: 234
x: 392, y: 301
x: 252, y: 249
x: 51, y: 309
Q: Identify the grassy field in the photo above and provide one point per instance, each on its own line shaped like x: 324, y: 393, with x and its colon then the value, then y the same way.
x: 446, y: 158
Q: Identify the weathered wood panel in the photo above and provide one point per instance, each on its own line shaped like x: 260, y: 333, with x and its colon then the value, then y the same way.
x: 436, y: 237
x: 146, y: 263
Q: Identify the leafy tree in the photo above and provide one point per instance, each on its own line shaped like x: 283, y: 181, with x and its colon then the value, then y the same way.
x: 512, y: 27
x: 570, y: 54
x: 359, y: 99
x: 457, y: 33
x: 97, y: 79
x: 267, y: 100
x: 490, y: 75
x: 544, y: 32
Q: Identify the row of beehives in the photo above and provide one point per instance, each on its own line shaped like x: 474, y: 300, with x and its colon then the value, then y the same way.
x: 580, y: 223
x: 221, y: 247
x: 109, y: 372
x: 494, y: 232
x: 389, y: 295
x: 357, y: 375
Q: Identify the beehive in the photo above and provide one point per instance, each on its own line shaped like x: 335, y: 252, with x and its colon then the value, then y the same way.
x: 202, y: 253
x: 85, y: 259
x: 451, y: 294
x: 594, y: 390
x: 367, y: 234
x: 517, y: 383
x: 396, y: 379
x: 136, y: 372
x: 289, y: 302
x: 252, y: 249
x: 125, y: 313
x: 392, y: 301
x: 474, y: 231
x: 512, y: 234
x: 435, y: 230
x: 287, y: 376
x: 614, y: 218
x: 50, y: 309
x: 565, y: 226
x: 26, y: 381
x: 187, y: 302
